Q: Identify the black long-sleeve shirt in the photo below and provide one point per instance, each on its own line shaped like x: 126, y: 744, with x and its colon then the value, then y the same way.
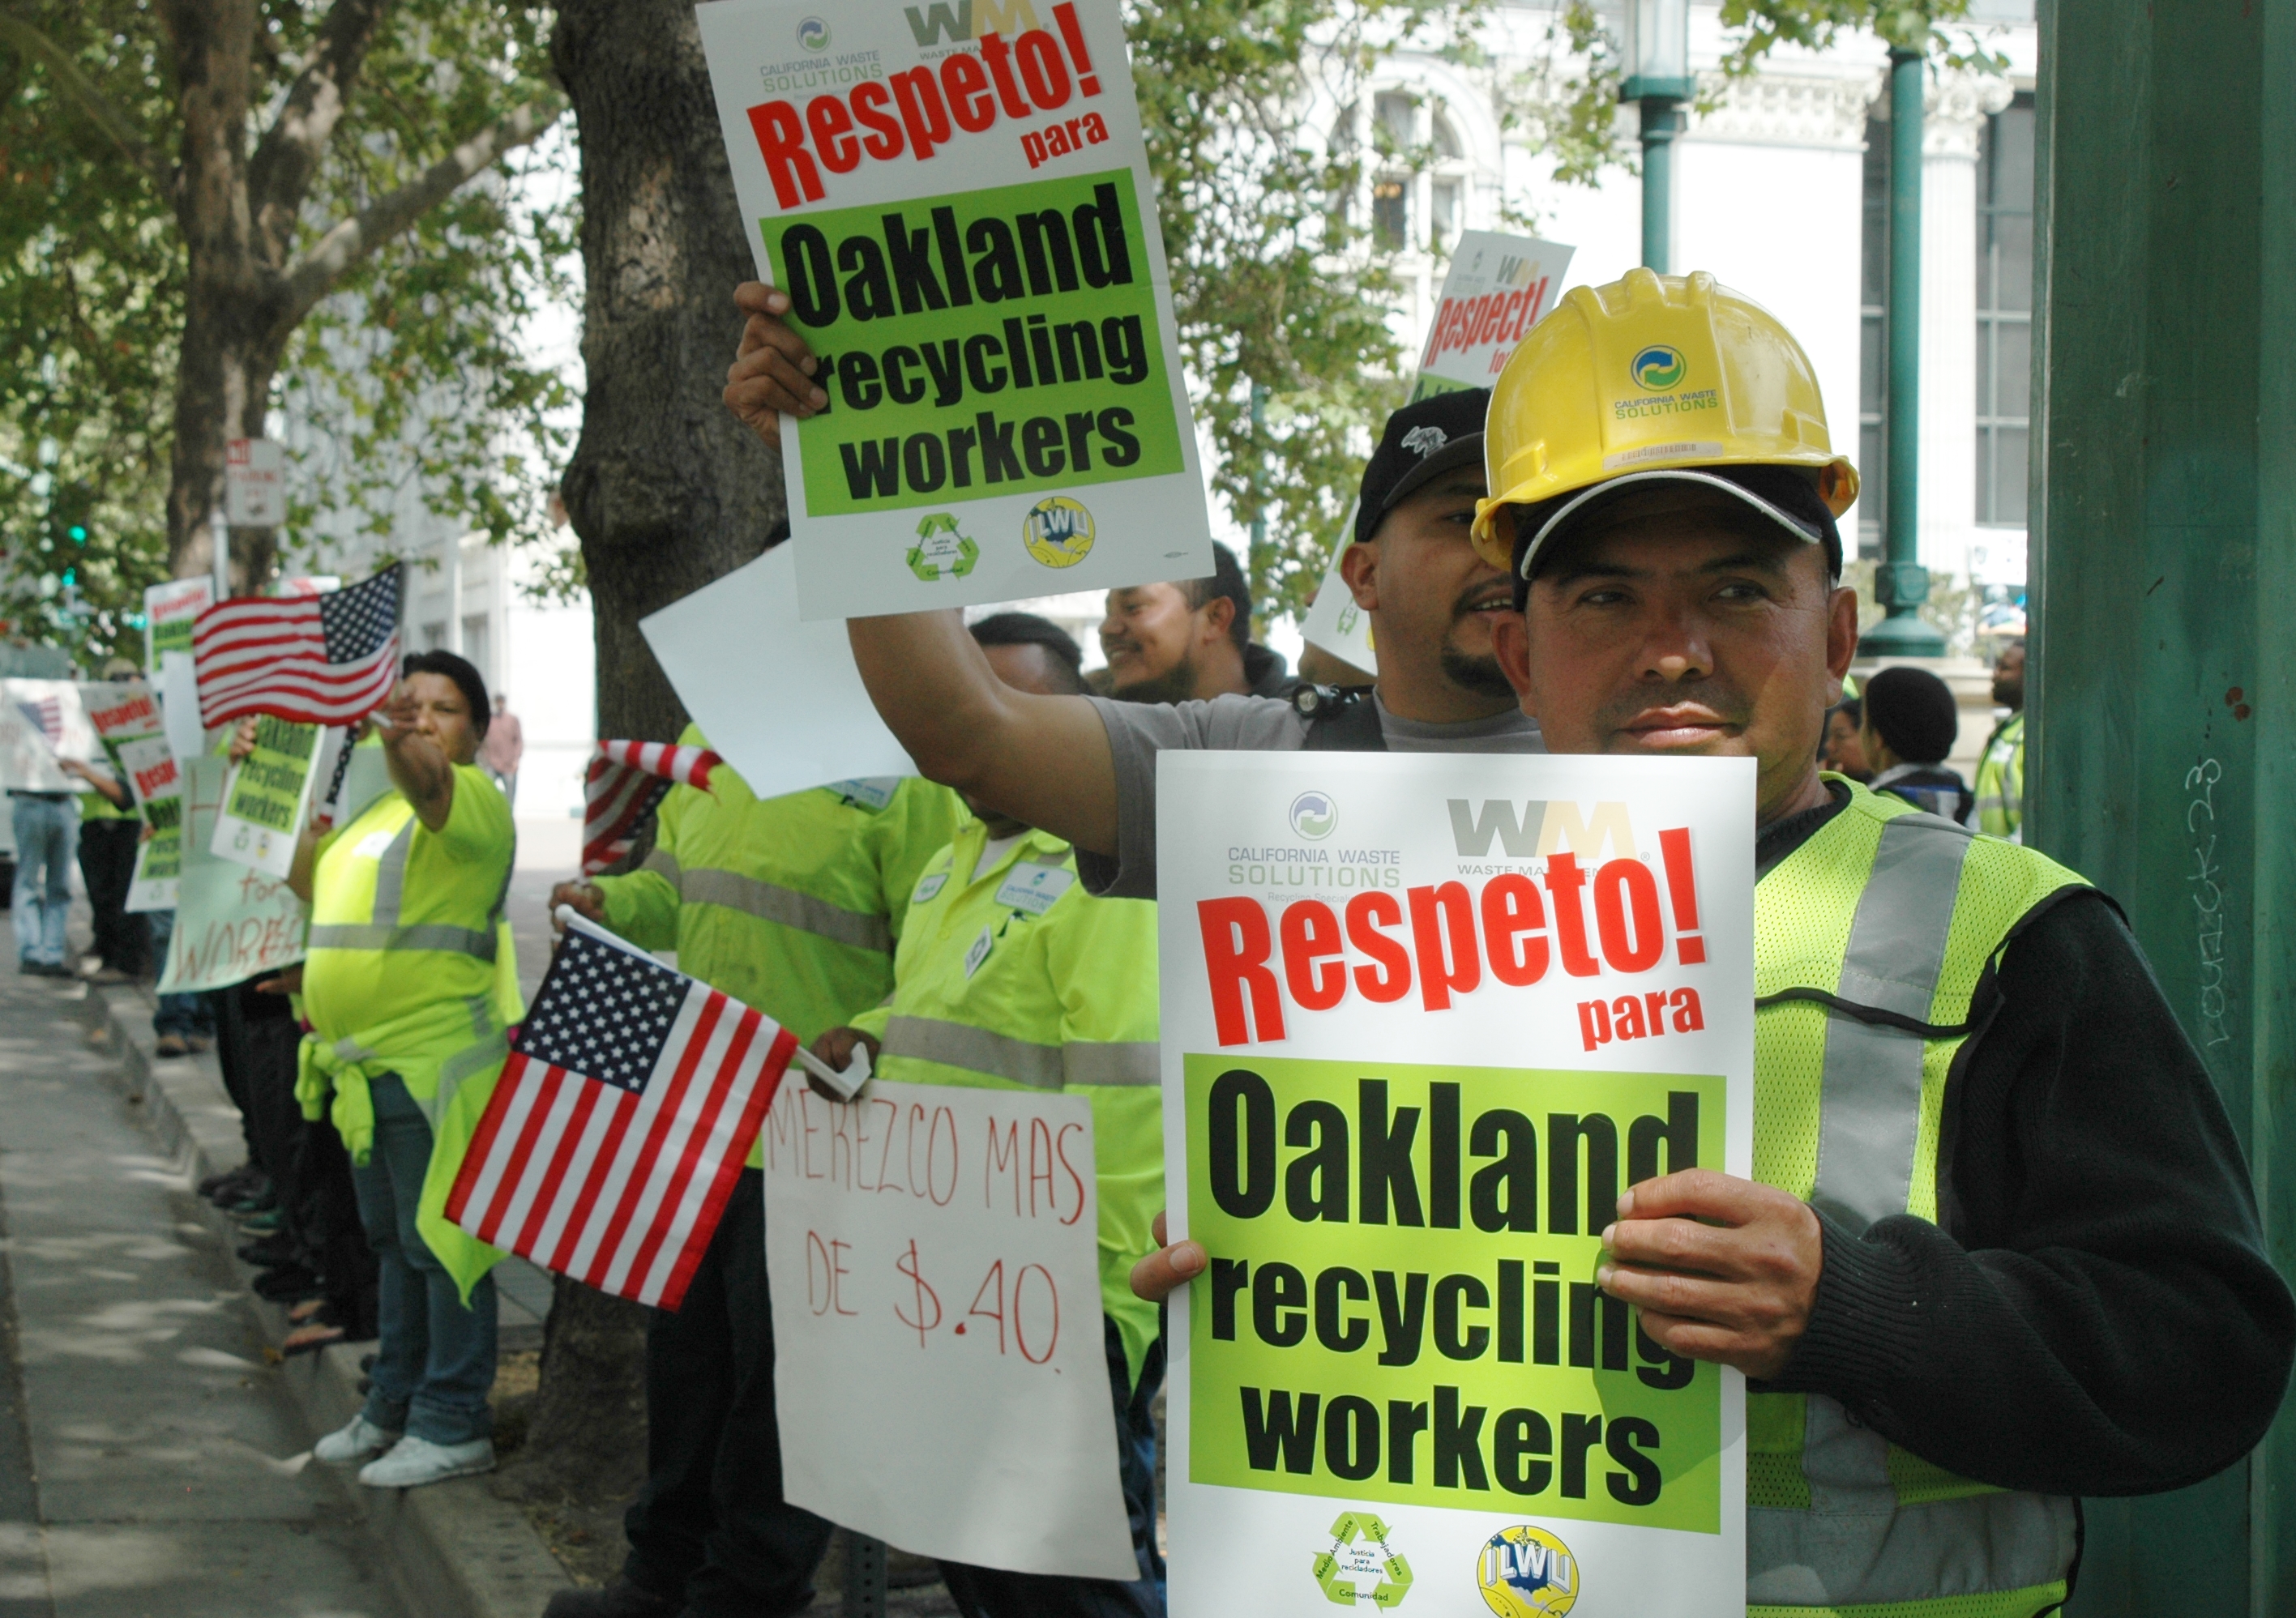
x: 2094, y: 1311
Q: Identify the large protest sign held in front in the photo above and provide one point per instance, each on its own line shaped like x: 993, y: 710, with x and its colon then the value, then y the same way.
x: 1424, y: 1018
x: 128, y: 721
x: 957, y: 199
x: 939, y: 1358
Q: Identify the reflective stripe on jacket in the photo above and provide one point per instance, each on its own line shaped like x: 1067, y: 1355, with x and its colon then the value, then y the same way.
x: 1870, y: 942
x: 2001, y: 781
x: 1018, y: 978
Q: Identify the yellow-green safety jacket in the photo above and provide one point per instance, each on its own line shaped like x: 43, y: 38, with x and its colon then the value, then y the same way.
x: 1061, y: 996
x: 1870, y: 941
x: 790, y: 904
x: 410, y: 969
x: 2001, y: 781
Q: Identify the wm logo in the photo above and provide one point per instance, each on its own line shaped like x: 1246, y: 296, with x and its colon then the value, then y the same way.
x: 954, y: 20
x: 1542, y: 828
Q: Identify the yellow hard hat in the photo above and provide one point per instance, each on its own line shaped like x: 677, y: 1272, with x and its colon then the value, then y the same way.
x: 1650, y: 374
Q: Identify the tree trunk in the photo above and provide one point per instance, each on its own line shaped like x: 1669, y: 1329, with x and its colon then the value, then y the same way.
x: 665, y: 492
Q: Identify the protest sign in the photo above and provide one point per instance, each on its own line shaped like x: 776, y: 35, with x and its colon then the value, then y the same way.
x: 160, y: 856
x: 1333, y: 621
x: 232, y: 922
x: 169, y: 612
x: 957, y: 199
x: 1424, y: 1018
x: 179, y: 703
x: 779, y: 699
x: 41, y: 722
x: 938, y: 1361
x: 1497, y: 289
x: 263, y: 807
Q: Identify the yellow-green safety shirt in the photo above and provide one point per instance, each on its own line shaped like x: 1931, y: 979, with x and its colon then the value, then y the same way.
x: 2001, y: 781
x: 410, y: 969
x: 1870, y: 941
x: 790, y: 904
x: 1016, y: 978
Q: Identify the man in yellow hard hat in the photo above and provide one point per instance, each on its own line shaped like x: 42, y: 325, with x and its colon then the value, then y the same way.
x: 1999, y: 1248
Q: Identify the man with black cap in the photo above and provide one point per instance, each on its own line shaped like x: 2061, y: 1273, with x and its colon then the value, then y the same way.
x: 1083, y: 768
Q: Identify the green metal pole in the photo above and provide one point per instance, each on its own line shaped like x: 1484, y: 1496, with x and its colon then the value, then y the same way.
x: 1900, y: 584
x: 1662, y: 120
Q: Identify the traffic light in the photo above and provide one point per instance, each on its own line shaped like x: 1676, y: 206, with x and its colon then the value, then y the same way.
x: 72, y: 515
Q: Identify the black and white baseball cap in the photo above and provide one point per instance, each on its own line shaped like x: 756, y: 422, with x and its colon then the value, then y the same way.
x: 1422, y: 440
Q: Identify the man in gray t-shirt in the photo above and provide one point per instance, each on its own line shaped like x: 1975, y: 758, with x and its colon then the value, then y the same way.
x: 1085, y: 768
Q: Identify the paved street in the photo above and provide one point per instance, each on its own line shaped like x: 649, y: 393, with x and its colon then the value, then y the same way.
x: 150, y: 1463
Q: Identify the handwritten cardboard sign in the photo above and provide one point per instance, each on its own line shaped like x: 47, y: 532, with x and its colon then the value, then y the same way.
x: 957, y: 201
x: 939, y: 1365
x: 1424, y: 1018
x: 232, y: 922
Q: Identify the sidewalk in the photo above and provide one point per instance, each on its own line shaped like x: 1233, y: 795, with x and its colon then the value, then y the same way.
x: 451, y: 1550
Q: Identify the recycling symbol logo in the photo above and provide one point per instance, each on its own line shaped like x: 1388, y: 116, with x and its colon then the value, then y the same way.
x: 1360, y: 1551
x: 941, y: 550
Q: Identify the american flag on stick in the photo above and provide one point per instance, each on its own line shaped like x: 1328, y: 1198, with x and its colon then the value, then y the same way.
x: 626, y: 782
x: 621, y: 1121
x: 316, y: 660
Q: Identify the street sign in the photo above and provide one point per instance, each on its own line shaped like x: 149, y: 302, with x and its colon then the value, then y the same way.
x: 255, y: 483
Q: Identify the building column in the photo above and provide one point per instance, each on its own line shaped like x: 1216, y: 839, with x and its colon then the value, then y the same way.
x: 1957, y: 106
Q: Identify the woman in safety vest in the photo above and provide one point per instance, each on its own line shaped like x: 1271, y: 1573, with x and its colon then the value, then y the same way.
x: 409, y: 987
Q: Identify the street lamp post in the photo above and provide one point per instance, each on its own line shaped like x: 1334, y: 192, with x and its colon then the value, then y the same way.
x: 1658, y: 79
x: 1901, y: 583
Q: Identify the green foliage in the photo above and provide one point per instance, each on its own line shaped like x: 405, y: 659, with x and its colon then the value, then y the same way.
x: 408, y: 376
x: 1274, y: 287
x: 1761, y: 26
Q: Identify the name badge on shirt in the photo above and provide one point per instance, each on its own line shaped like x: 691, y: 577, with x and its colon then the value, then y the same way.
x: 927, y: 888
x: 1032, y: 888
x: 978, y: 952
x: 874, y: 790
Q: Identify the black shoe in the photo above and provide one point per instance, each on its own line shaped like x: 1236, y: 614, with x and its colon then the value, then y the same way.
x: 272, y: 1250
x: 235, y: 1178
x: 619, y: 1599
x: 288, y: 1283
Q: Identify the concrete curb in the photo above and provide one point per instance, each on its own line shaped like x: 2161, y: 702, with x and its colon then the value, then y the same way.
x: 452, y: 1551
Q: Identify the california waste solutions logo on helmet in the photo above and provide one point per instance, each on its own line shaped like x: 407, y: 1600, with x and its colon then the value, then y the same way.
x: 1658, y: 368
x: 1361, y: 1567
x: 1315, y: 816
x: 813, y: 34
x: 1527, y: 1572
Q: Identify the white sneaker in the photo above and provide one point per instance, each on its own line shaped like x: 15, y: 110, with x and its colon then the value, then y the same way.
x: 359, y: 1439
x: 414, y: 1462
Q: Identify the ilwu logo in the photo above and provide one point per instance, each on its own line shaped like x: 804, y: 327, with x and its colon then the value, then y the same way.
x: 1543, y: 828
x: 1527, y: 1572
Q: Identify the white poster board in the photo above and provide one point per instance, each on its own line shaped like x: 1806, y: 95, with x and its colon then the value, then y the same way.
x: 1497, y: 289
x: 939, y: 1363
x: 28, y: 758
x: 1389, y: 984
x: 232, y: 923
x: 778, y: 697
x: 964, y: 222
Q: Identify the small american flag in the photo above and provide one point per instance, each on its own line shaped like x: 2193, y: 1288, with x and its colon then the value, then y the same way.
x: 621, y: 1121
x: 46, y: 716
x: 626, y: 782
x: 316, y: 660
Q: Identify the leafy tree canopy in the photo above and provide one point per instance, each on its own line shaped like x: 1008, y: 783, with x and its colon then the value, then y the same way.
x: 391, y: 293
